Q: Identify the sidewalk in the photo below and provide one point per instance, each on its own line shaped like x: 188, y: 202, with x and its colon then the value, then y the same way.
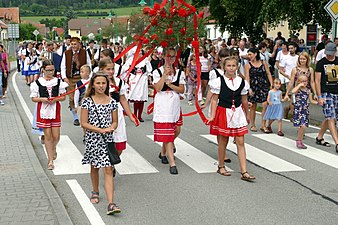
x: 26, y: 194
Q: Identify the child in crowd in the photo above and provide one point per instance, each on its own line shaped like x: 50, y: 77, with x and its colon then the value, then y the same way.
x: 302, y: 95
x: 275, y: 108
x: 45, y: 92
x: 33, y: 66
x: 229, y: 114
x: 99, y: 118
x: 192, y: 78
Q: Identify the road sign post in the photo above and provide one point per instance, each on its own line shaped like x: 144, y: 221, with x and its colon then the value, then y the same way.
x: 332, y: 8
x: 36, y: 33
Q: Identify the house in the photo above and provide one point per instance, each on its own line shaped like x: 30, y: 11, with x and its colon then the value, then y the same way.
x: 83, y: 27
x: 10, y: 15
x: 3, y: 31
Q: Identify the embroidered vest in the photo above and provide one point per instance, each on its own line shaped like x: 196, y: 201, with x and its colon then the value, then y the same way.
x: 70, y: 68
x: 227, y: 97
x: 43, y: 92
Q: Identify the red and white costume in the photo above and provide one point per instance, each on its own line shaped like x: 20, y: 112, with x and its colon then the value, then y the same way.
x: 230, y: 119
x: 167, y: 108
x: 138, y: 83
x: 48, y: 115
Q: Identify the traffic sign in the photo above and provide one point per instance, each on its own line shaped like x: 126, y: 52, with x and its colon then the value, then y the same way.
x: 36, y: 32
x: 13, y: 31
x: 332, y: 8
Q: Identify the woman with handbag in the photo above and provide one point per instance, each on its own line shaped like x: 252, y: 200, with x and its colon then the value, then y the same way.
x: 99, y: 118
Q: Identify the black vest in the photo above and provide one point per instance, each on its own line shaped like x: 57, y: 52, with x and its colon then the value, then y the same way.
x: 116, y: 94
x: 176, y: 83
x: 43, y: 92
x: 227, y: 96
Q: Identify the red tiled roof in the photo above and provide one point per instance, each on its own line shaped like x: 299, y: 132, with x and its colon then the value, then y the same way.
x: 59, y: 30
x: 10, y: 14
x: 3, y: 25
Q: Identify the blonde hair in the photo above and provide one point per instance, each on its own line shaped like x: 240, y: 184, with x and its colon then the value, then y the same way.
x: 306, y: 55
x: 301, y: 78
x: 229, y: 58
x: 86, y: 67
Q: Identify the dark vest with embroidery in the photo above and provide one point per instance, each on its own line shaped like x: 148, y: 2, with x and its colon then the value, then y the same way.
x: 69, y: 61
x: 227, y: 96
x: 43, y: 92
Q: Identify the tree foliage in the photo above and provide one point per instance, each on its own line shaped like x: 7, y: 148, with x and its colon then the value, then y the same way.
x: 250, y: 16
x: 26, y: 32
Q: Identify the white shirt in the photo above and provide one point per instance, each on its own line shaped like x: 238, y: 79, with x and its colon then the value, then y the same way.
x: 63, y: 64
x: 320, y: 55
x: 289, y: 63
x: 243, y: 61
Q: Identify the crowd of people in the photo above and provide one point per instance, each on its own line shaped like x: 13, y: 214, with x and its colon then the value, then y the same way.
x: 236, y: 77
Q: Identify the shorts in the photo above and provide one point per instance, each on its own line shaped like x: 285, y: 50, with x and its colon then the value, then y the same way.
x: 283, y: 80
x: 204, y: 75
x: 330, y: 107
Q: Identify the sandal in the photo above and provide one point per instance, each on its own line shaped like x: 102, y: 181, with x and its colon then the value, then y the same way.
x: 253, y: 129
x: 50, y: 166
x: 247, y: 177
x: 94, y: 199
x: 55, y: 156
x: 112, y: 209
x: 225, y: 173
x: 322, y: 142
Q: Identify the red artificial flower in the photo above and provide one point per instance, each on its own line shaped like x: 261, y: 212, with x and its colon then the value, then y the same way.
x: 145, y: 41
x: 157, y: 6
x: 182, y: 12
x: 189, y: 39
x: 183, y: 30
x: 152, y: 12
x: 154, y: 21
x: 146, y: 10
x: 163, y: 13
x: 169, y: 31
x: 200, y: 15
x: 164, y: 44
x: 154, y: 37
x: 136, y: 37
x: 195, y: 44
x: 173, y: 10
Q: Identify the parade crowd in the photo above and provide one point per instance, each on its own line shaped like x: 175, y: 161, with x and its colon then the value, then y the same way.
x: 237, y: 77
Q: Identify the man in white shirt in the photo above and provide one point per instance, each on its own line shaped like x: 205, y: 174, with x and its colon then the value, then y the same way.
x: 243, y: 54
x: 280, y: 58
x: 104, y: 45
x: 289, y: 62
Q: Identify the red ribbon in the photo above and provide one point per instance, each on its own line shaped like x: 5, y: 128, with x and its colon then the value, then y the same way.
x: 137, y: 122
x: 69, y: 92
x: 125, y: 51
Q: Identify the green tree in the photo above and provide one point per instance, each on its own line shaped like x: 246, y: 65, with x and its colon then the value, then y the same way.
x: 26, y: 31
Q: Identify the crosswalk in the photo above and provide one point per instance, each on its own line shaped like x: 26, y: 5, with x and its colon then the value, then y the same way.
x: 134, y: 161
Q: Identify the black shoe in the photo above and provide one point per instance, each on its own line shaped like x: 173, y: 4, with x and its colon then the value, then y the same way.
x: 141, y: 120
x: 337, y: 148
x: 173, y: 170
x: 163, y: 159
x: 227, y: 160
x: 76, y: 122
x: 174, y: 149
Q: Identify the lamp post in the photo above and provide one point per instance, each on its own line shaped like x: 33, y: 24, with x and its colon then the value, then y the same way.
x: 110, y: 15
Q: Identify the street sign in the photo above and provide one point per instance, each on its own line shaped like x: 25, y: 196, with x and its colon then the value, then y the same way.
x: 36, y: 32
x: 13, y: 31
x: 332, y: 8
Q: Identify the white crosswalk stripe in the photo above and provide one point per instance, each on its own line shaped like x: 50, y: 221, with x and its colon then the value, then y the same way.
x: 259, y: 157
x: 133, y: 163
x: 194, y: 158
x: 311, y: 152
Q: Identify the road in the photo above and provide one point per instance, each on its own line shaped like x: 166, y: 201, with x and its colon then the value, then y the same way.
x: 292, y: 186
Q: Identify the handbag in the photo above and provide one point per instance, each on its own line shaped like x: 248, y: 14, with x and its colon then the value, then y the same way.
x: 113, y: 155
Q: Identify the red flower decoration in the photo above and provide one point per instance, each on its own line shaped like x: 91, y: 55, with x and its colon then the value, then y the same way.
x: 189, y: 39
x: 200, y: 15
x: 173, y: 10
x: 169, y: 31
x: 195, y: 44
x: 163, y: 13
x: 157, y: 6
x: 146, y: 10
x: 136, y: 37
x: 183, y: 30
x: 164, y: 44
x: 182, y: 12
x: 152, y: 12
x: 154, y: 21
x: 145, y: 41
x: 154, y: 37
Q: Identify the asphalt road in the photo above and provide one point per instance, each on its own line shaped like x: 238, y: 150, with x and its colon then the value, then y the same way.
x: 304, y: 191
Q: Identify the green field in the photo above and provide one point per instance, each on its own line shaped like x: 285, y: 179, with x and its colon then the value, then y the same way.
x: 118, y: 11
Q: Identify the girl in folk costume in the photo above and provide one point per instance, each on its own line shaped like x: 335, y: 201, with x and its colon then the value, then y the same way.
x: 169, y: 84
x: 117, y: 91
x: 138, y: 86
x: 230, y: 117
x: 33, y: 65
x: 99, y: 118
x: 25, y: 59
x: 44, y: 91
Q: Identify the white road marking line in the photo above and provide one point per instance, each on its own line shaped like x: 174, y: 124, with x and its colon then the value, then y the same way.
x: 68, y: 159
x: 194, y: 158
x: 311, y: 152
x: 22, y: 101
x: 259, y: 157
x: 90, y: 211
x: 133, y: 163
x: 327, y: 137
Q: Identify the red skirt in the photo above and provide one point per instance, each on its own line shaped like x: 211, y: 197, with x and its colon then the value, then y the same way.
x: 48, y: 123
x: 180, y: 119
x: 120, y: 146
x: 219, y: 125
x: 164, y: 132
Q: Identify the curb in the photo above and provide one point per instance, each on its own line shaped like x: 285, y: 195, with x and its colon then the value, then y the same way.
x: 56, y: 203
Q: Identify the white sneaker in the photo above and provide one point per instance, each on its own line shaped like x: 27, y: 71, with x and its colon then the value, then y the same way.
x: 2, y: 102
